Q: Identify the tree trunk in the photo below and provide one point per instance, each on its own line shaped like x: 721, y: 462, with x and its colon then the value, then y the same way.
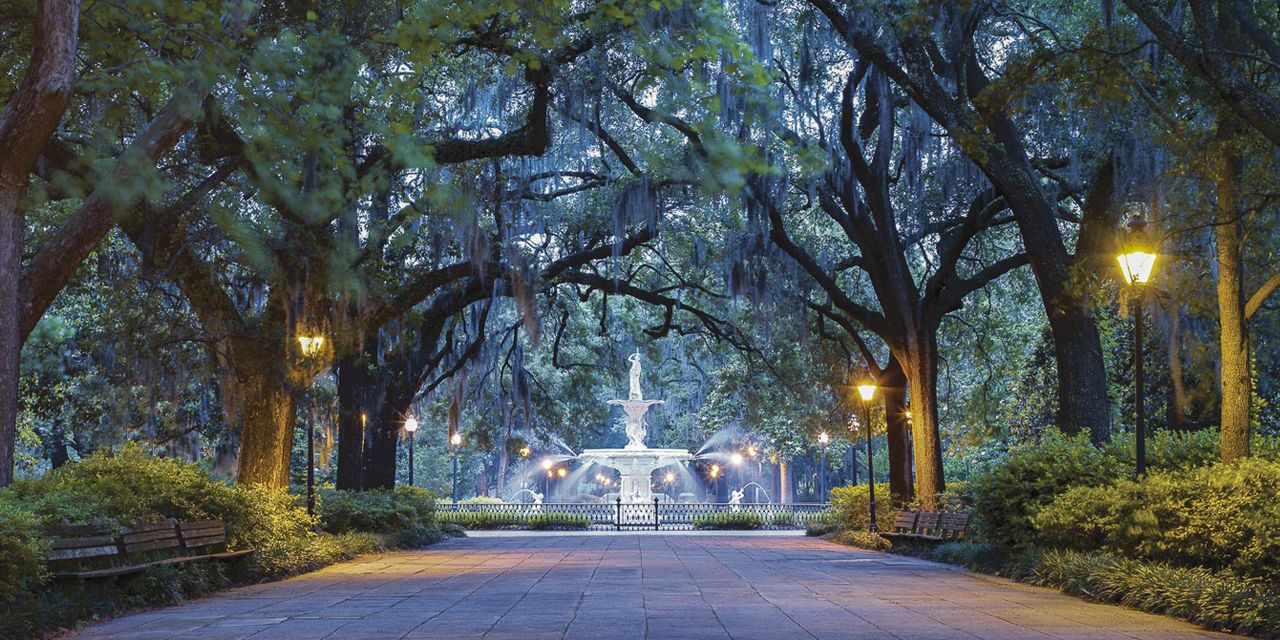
x: 894, y: 385
x: 382, y: 439
x: 1177, y: 405
x: 26, y: 124
x: 1234, y: 329
x: 353, y: 417
x: 267, y: 414
x: 920, y: 364
x: 11, y: 225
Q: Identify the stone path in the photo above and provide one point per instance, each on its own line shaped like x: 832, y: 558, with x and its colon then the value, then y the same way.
x: 668, y: 587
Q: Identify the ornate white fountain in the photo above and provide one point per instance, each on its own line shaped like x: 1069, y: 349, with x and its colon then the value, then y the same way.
x: 636, y: 462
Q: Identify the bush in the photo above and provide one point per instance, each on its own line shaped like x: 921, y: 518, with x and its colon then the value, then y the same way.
x: 852, y: 508
x: 559, y: 521
x: 22, y: 549
x: 863, y: 540
x: 729, y: 520
x: 1007, y: 496
x: 783, y: 519
x: 1242, y: 605
x: 508, y: 520
x: 822, y: 524
x: 1219, y: 517
x: 118, y: 488
x: 405, y: 514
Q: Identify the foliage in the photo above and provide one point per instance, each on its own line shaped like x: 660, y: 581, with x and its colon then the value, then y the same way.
x: 729, y: 520
x: 1216, y: 600
x: 23, y: 569
x: 116, y: 488
x: 1218, y: 517
x: 1008, y: 495
x: 863, y: 540
x: 783, y: 519
x: 852, y: 506
x: 404, y: 514
x: 501, y: 520
x: 822, y: 524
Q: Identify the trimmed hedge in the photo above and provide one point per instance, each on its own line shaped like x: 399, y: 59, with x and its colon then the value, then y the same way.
x: 499, y: 520
x: 729, y: 520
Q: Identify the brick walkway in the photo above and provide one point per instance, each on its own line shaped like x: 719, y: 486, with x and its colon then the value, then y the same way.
x: 655, y: 586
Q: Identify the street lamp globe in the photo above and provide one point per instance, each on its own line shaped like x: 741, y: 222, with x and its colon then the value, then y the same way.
x: 310, y: 345
x: 824, y: 439
x: 411, y: 424
x: 867, y: 390
x: 736, y: 459
x: 455, y: 439
x: 1136, y: 266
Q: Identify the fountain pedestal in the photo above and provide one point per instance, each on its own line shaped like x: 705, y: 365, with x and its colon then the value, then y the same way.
x: 636, y: 467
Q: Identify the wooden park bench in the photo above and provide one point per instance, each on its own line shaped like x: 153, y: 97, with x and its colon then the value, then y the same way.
x: 928, y: 526
x: 90, y: 551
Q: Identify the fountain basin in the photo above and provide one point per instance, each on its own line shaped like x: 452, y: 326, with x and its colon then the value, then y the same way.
x: 636, y: 466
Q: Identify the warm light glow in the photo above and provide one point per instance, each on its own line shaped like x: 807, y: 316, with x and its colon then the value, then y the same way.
x: 310, y: 345
x: 561, y: 472
x: 411, y: 424
x: 455, y: 439
x: 715, y: 470
x: 524, y: 451
x: 546, y: 464
x: 736, y: 459
x: 1136, y: 266
x: 752, y: 452
x: 670, y: 477
x: 824, y: 438
x: 867, y: 390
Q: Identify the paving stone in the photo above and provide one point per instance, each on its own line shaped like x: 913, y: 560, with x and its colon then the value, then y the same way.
x: 637, y: 587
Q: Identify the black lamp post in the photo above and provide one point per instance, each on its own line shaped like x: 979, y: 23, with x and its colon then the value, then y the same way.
x: 455, y: 441
x: 310, y: 346
x: 824, y: 440
x: 867, y: 391
x: 411, y: 426
x: 1136, y: 264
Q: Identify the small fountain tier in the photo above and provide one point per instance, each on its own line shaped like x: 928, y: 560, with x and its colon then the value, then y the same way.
x: 636, y: 462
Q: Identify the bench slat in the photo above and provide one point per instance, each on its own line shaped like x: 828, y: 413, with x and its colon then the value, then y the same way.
x: 169, y: 543
x: 204, y: 541
x: 79, y: 543
x: 82, y: 553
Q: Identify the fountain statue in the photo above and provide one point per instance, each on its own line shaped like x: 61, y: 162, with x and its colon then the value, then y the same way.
x: 635, y: 406
x: 735, y: 499
x: 636, y: 461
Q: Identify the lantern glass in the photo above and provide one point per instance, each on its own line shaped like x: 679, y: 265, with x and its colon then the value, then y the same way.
x: 1136, y: 266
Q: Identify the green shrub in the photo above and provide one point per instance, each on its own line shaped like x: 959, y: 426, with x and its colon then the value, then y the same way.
x: 821, y: 524
x: 1242, y: 605
x: 559, y: 521
x: 783, y: 519
x: 851, y: 505
x: 118, y: 488
x: 1219, y: 517
x: 1007, y: 496
x: 405, y: 514
x: 22, y: 569
x: 503, y: 520
x: 729, y: 520
x: 863, y: 540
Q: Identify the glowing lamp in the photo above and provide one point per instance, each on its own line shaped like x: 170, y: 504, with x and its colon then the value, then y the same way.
x: 736, y: 459
x: 824, y: 438
x: 867, y: 391
x: 310, y: 345
x: 455, y: 439
x: 1136, y: 266
x: 411, y: 424
x: 561, y: 472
